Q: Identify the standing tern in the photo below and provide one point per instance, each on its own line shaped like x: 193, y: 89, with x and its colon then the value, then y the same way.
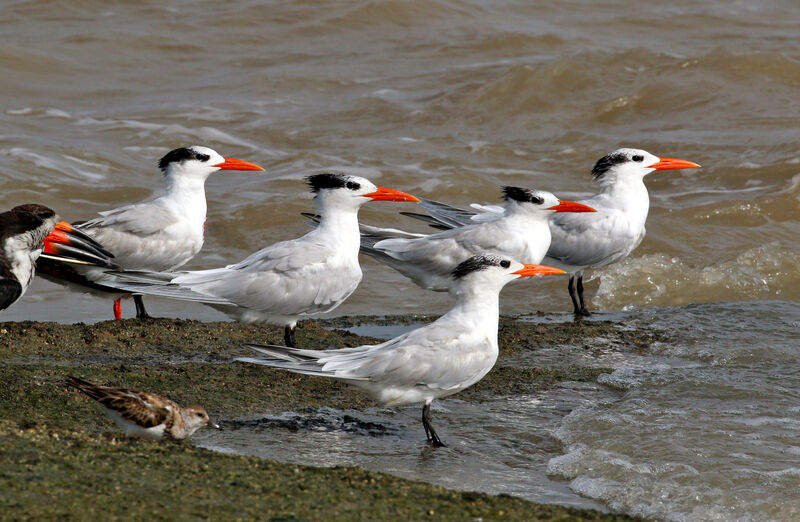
x: 145, y: 415
x: 439, y: 359
x: 582, y: 241
x: 290, y: 280
x: 23, y: 230
x: 160, y: 234
x: 519, y: 230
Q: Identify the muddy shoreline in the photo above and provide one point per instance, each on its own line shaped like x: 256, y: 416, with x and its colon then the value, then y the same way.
x: 63, y: 457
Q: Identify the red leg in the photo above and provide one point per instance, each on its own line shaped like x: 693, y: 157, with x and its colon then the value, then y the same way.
x: 118, y: 309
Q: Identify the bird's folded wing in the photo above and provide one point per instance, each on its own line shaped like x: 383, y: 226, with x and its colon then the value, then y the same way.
x: 431, y: 356
x: 435, y: 360
x: 284, y: 256
x: 141, y: 219
x: 589, y: 240
x: 288, y: 278
x: 383, y: 233
x: 442, y: 216
x: 437, y: 254
x: 141, y: 408
x: 486, y: 212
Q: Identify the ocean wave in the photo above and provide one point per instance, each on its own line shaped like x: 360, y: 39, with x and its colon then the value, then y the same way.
x: 205, y: 134
x: 63, y: 164
x: 766, y: 272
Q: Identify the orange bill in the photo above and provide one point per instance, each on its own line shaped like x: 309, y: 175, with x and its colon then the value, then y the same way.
x: 538, y: 270
x: 571, y: 206
x: 59, y: 234
x: 51, y: 247
x: 237, y: 164
x: 387, y: 194
x: 66, y: 234
x: 673, y: 164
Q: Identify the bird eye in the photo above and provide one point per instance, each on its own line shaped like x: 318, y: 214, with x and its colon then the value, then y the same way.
x: 505, y: 263
x: 638, y: 158
x: 202, y: 157
x: 352, y: 185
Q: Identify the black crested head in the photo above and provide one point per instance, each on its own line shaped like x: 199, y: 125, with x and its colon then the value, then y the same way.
x: 477, y: 263
x: 37, y: 210
x: 605, y: 163
x: 522, y: 195
x: 327, y: 180
x: 179, y: 155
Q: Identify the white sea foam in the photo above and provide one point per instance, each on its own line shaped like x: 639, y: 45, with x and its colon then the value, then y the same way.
x: 695, y: 442
x: 765, y: 272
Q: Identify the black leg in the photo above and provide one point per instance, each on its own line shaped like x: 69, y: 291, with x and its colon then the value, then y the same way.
x: 576, y: 309
x: 583, y: 311
x: 141, y: 313
x: 433, y: 438
x: 288, y: 337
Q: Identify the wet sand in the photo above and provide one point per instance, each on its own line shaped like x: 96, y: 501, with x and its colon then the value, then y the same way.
x: 64, y: 458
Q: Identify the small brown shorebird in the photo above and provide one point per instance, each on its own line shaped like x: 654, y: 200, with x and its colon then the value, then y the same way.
x: 145, y: 415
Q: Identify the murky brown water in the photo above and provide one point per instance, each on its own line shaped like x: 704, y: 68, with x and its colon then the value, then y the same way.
x: 446, y: 100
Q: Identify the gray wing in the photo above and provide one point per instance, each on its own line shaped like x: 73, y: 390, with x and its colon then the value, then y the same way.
x: 289, y: 278
x: 430, y: 260
x: 591, y: 239
x: 433, y: 356
x: 448, y: 248
x: 442, y: 216
x: 283, y: 277
x: 141, y: 219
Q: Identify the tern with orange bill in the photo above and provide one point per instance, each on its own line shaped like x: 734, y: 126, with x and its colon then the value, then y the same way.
x: 519, y: 229
x: 582, y: 241
x: 287, y: 281
x: 160, y: 234
x: 434, y: 361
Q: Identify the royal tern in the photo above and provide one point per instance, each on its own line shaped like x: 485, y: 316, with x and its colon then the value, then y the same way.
x: 23, y: 230
x: 520, y: 230
x: 439, y: 359
x: 160, y: 234
x: 290, y: 280
x: 145, y: 415
x: 582, y: 241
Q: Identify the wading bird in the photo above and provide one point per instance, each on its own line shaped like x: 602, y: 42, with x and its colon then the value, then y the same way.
x: 439, y: 359
x: 160, y: 234
x: 145, y: 415
x: 290, y: 280
x: 519, y: 229
x: 582, y: 241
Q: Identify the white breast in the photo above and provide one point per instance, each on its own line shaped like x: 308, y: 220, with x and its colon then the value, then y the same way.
x: 22, y: 259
